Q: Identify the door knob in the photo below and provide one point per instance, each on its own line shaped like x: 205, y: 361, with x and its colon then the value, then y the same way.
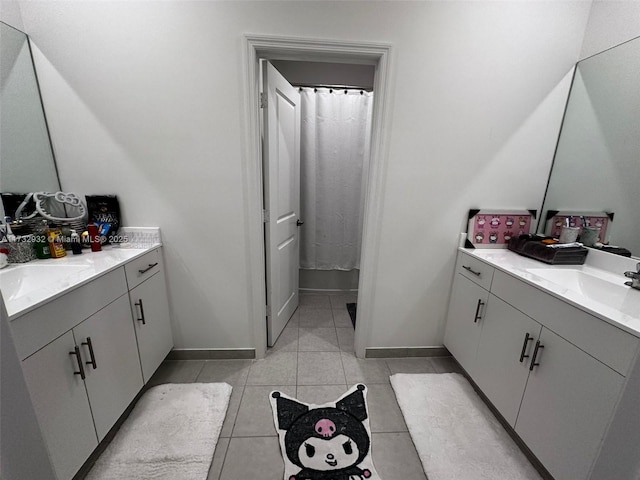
x: 299, y: 222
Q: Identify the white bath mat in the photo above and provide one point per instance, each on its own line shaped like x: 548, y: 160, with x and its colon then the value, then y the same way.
x: 171, y: 434
x: 456, y: 435
x: 331, y: 441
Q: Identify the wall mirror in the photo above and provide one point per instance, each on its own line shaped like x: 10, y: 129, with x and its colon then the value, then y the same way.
x: 596, y: 169
x: 27, y: 163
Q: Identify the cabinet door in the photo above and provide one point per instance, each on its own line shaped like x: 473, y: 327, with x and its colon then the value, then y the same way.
x: 151, y: 320
x: 60, y: 401
x: 569, y: 399
x: 504, y: 352
x: 464, y: 321
x: 117, y: 377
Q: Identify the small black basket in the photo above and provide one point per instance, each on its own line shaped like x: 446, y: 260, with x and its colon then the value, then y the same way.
x: 532, y: 247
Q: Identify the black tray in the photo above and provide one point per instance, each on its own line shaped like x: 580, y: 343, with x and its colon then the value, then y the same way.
x: 534, y: 248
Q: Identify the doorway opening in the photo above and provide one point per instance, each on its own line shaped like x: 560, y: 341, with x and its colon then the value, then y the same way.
x: 336, y: 112
x: 375, y: 58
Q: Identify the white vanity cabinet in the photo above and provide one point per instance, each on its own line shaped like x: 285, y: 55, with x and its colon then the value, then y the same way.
x: 85, y: 355
x: 148, y: 298
x: 81, y: 382
x: 466, y: 309
x: 553, y: 371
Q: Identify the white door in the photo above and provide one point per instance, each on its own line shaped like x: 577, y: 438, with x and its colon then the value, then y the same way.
x: 281, y: 169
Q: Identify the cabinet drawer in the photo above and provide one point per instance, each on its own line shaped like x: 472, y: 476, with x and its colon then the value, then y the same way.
x: 35, y: 329
x: 144, y: 267
x: 607, y: 343
x: 475, y: 270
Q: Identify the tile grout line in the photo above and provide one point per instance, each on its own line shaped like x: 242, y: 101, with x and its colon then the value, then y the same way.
x: 233, y: 427
x: 224, y: 459
x: 297, y: 351
x: 204, y: 362
x: 344, y: 372
x: 244, y: 387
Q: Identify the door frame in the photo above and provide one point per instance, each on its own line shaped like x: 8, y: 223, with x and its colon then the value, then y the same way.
x: 319, y: 50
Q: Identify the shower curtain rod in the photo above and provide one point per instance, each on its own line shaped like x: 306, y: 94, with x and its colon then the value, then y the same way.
x: 334, y: 87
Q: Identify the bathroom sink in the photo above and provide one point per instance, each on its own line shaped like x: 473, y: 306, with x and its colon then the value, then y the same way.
x: 21, y: 280
x: 596, y: 284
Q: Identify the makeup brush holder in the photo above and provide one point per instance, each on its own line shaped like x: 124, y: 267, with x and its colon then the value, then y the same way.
x: 590, y: 235
x: 568, y: 234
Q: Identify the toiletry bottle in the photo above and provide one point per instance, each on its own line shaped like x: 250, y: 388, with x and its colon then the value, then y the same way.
x: 41, y: 243
x: 66, y: 236
x: 94, y: 237
x: 56, y: 247
x: 76, y: 246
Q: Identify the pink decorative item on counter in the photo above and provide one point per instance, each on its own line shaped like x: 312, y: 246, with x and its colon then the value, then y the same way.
x: 494, y: 228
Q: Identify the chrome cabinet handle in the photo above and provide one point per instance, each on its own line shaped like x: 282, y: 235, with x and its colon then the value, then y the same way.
x: 76, y: 352
x: 91, y: 362
x: 535, y: 354
x: 141, y: 319
x: 477, y: 315
x: 527, y: 339
x: 471, y: 270
x: 151, y: 265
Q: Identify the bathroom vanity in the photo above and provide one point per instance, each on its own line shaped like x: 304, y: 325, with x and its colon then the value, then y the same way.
x: 553, y: 348
x: 90, y: 330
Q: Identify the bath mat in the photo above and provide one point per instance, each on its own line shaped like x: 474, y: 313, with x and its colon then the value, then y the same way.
x: 331, y: 441
x: 171, y: 434
x: 456, y: 435
x: 352, y: 308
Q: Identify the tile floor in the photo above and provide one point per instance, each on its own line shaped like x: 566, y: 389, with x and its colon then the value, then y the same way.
x: 314, y: 361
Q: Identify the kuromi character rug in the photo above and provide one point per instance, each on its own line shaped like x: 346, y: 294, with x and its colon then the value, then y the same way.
x: 325, y: 442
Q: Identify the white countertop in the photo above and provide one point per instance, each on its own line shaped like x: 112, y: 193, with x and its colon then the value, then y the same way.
x: 598, y: 291
x: 26, y: 286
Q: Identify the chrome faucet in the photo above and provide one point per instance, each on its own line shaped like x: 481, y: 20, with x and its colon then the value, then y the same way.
x: 635, y: 278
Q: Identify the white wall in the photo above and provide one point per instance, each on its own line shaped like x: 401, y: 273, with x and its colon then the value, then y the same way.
x: 10, y: 14
x: 611, y: 22
x: 144, y: 100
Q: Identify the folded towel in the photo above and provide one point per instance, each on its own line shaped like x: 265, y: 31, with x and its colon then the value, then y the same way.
x: 565, y: 245
x: 558, y: 254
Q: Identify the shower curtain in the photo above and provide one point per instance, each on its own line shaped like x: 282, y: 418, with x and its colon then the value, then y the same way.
x: 334, y: 143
